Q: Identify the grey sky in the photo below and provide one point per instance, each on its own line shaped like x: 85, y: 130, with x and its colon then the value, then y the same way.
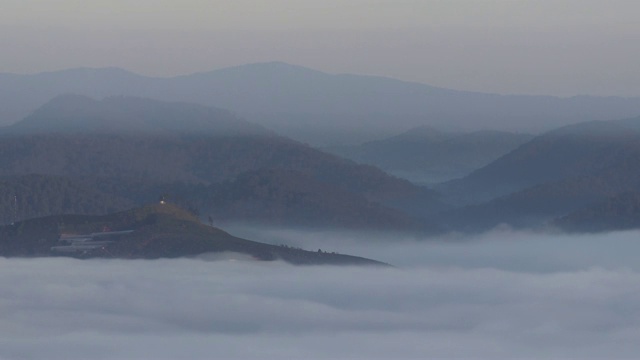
x: 562, y: 47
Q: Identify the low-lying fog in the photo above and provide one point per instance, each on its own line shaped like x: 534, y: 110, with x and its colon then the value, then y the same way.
x: 500, y: 295
x: 502, y: 249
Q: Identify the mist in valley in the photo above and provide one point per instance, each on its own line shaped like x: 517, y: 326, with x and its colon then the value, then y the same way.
x: 503, y: 294
x: 486, y: 155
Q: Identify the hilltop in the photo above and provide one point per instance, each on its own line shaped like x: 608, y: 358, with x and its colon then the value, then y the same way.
x: 150, y: 232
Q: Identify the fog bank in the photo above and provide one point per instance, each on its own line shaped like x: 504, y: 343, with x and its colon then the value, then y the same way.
x: 453, y: 304
x: 501, y: 249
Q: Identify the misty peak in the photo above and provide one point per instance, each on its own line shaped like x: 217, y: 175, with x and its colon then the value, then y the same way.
x: 124, y: 114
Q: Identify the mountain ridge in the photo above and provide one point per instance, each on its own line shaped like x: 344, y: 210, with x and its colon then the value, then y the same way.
x: 570, y: 173
x: 313, y: 106
x: 71, y: 113
x: 566, y: 152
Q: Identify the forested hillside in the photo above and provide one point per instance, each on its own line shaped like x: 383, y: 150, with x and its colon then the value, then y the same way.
x: 572, y: 170
x: 204, y: 161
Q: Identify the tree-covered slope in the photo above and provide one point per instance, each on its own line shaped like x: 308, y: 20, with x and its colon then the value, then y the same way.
x: 539, y: 204
x: 569, y: 152
x: 195, y: 164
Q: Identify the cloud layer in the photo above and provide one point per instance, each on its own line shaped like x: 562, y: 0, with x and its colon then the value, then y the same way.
x: 196, y: 309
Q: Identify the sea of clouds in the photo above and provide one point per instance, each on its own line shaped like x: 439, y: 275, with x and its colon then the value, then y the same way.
x: 502, y: 295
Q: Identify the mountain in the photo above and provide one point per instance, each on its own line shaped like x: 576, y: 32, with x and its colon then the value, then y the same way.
x: 569, y: 152
x: 529, y: 208
x: 116, y: 115
x: 281, y: 197
x: 428, y: 155
x: 573, y: 170
x: 150, y: 232
x: 270, y: 197
x: 316, y: 107
x: 201, y: 163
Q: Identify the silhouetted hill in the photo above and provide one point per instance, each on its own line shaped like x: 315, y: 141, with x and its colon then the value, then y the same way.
x: 429, y: 155
x: 317, y: 107
x: 150, y: 232
x: 596, y: 171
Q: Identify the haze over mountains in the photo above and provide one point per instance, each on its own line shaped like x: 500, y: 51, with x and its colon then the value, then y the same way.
x: 428, y: 155
x: 315, y: 107
x: 204, y: 157
x: 75, y: 114
x: 158, y: 204
x: 126, y: 150
x: 555, y: 174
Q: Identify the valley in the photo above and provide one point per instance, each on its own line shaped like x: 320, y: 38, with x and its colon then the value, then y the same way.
x: 337, y: 179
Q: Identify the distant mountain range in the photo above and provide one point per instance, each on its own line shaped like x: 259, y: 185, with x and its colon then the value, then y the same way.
x: 428, y: 155
x: 315, y: 107
x: 149, y: 232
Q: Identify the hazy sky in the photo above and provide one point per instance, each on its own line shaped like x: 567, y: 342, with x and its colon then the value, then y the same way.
x: 562, y: 47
